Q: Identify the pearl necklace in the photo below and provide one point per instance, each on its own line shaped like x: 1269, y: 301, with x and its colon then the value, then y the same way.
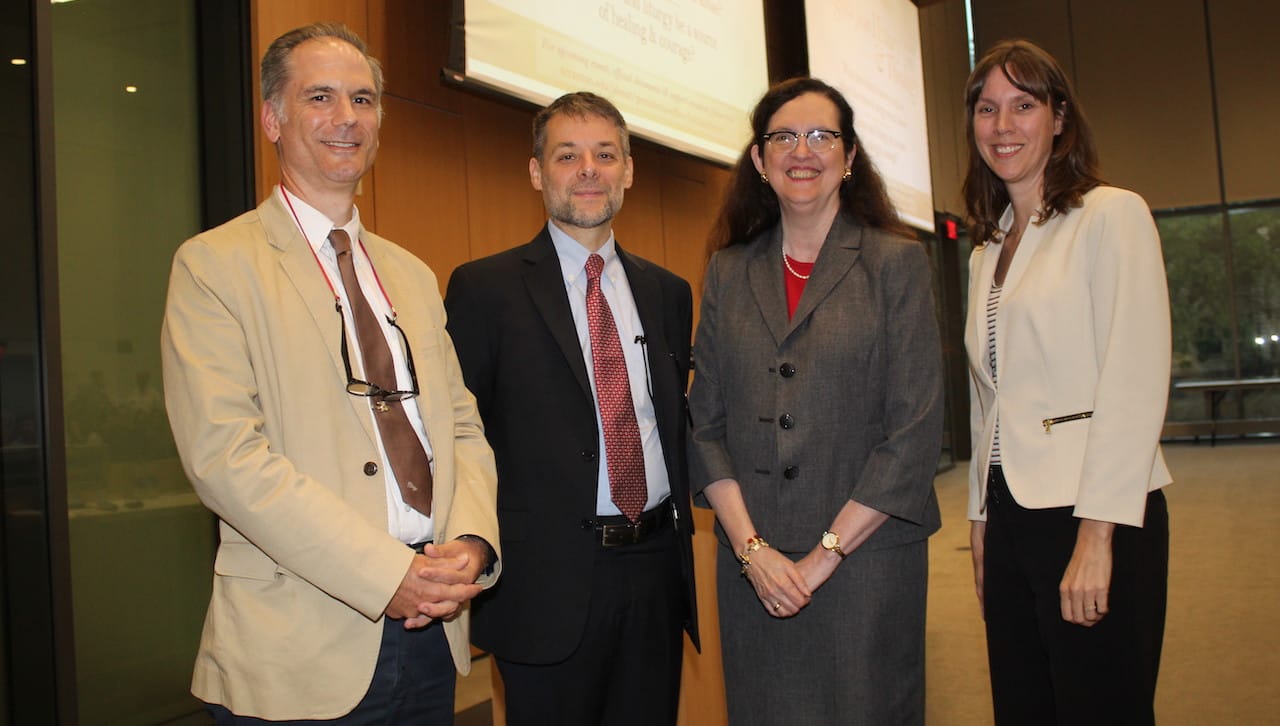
x: 787, y: 261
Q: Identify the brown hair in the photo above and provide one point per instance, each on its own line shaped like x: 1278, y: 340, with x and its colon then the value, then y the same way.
x: 579, y: 104
x: 1072, y: 168
x: 751, y: 206
x: 275, y: 62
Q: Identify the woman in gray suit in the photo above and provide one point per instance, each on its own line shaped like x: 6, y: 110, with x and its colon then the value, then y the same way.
x: 817, y: 410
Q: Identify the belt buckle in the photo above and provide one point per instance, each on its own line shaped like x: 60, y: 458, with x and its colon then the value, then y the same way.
x: 617, y: 535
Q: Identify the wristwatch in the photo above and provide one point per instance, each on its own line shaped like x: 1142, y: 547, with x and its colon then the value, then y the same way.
x: 831, y: 541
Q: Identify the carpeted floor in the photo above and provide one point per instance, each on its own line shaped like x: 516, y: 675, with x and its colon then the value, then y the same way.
x: 1221, y: 662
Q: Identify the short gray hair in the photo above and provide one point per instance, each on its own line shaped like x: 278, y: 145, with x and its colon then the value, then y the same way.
x: 275, y: 62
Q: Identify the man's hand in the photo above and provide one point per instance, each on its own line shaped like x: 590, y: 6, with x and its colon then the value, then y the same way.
x: 437, y: 583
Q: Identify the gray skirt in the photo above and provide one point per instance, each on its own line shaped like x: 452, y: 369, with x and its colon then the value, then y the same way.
x: 855, y: 655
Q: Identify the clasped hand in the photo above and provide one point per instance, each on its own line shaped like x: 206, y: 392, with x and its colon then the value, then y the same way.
x: 785, y: 587
x: 437, y: 584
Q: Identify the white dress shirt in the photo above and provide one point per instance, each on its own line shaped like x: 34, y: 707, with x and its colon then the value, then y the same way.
x: 613, y: 283
x: 403, y: 521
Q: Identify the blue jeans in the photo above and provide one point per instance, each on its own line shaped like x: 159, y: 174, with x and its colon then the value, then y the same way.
x: 413, y: 683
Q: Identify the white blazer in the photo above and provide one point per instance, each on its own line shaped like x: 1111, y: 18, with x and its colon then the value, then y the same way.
x: 1082, y: 328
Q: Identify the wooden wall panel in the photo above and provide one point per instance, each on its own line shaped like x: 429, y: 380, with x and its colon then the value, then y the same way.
x: 412, y: 36
x: 422, y: 200
x: 638, y: 227
x: 503, y: 207
x: 702, y: 699
x: 1150, y: 103
x: 1246, y: 64
x: 691, y: 196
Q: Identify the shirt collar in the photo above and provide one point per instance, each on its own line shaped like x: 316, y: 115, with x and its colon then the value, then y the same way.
x: 315, y: 225
x: 573, y: 256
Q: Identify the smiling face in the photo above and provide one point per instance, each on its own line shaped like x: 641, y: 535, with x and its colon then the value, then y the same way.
x: 582, y: 175
x: 1014, y: 133
x: 325, y: 123
x: 804, y: 180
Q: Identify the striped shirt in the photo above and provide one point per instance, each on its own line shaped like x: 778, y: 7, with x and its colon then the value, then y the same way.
x: 993, y: 304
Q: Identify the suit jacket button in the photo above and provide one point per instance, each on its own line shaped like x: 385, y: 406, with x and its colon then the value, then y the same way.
x: 787, y: 370
x: 588, y: 455
x: 791, y: 472
x: 370, y: 468
x: 787, y: 421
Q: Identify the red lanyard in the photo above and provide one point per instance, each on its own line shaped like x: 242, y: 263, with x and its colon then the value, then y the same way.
x: 337, y: 300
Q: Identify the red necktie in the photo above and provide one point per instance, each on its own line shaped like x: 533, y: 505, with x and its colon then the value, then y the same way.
x: 613, y: 394
x: 404, y: 449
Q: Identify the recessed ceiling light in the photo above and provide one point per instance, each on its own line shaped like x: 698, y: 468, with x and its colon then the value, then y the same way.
x: 18, y: 61
x: 130, y: 89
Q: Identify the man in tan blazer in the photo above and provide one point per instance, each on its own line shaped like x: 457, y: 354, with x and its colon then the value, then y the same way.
x: 332, y: 597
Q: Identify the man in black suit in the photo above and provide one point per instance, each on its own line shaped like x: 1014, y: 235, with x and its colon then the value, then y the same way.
x: 594, y: 517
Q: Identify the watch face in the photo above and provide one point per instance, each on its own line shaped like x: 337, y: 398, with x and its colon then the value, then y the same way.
x: 830, y: 540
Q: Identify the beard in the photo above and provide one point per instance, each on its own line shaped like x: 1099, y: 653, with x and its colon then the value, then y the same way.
x: 566, y: 211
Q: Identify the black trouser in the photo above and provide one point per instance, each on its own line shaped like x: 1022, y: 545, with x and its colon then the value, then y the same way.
x: 1045, y: 670
x: 626, y: 669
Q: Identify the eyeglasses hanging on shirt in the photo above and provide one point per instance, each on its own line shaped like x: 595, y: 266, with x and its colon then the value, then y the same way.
x: 357, y: 386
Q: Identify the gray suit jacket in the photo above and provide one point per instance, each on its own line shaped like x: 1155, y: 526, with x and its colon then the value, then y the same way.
x: 843, y: 401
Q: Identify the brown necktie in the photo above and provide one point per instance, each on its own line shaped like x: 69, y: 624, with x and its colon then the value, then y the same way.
x: 404, y: 449
x: 627, y: 485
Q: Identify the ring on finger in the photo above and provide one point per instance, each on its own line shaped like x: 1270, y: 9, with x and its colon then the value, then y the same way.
x: 777, y: 605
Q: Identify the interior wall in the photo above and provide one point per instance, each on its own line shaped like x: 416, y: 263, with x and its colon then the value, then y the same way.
x: 1246, y: 62
x: 451, y: 184
x: 944, y: 44
x: 1152, y: 75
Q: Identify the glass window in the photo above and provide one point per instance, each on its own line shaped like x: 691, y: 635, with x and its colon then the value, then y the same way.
x: 128, y: 192
x: 1195, y: 257
x: 1224, y: 289
x: 1255, y: 239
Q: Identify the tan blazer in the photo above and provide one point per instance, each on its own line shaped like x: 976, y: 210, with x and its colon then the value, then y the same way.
x: 1082, y: 326
x: 273, y: 444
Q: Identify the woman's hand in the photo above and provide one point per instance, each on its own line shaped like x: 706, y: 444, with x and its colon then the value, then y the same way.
x: 817, y: 567
x: 977, y: 546
x: 1087, y: 581
x: 778, y: 583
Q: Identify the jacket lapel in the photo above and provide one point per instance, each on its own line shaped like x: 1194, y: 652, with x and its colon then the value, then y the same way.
x: 1032, y: 238
x: 647, y: 294
x: 839, y: 252
x: 545, y: 281
x: 983, y: 270
x: 764, y: 274
x: 299, y: 265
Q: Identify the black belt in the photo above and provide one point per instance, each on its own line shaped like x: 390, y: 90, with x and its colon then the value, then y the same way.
x: 618, y: 531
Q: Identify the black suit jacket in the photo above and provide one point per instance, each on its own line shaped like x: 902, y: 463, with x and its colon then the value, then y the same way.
x: 510, y: 321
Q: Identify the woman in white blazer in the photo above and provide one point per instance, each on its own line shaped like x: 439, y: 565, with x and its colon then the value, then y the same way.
x: 1068, y: 341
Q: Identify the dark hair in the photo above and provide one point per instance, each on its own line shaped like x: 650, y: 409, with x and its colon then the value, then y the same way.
x: 579, y: 104
x: 750, y: 205
x: 1072, y: 168
x: 275, y: 62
